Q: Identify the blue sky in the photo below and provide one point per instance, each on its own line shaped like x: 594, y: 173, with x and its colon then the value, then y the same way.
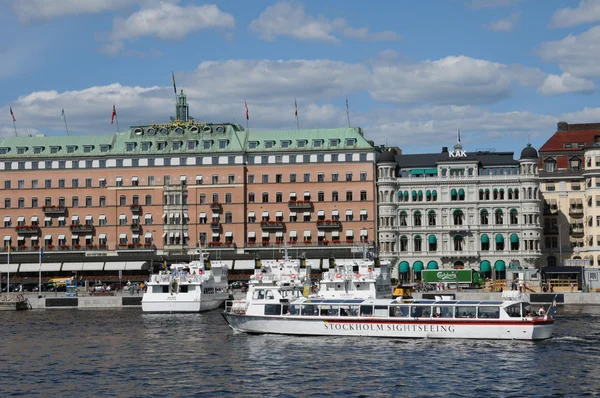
x: 413, y: 72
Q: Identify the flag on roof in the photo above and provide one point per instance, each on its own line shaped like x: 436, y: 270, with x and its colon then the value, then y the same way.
x: 12, y: 114
x: 114, y: 114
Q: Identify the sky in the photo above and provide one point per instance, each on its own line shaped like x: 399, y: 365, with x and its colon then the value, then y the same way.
x: 504, y: 72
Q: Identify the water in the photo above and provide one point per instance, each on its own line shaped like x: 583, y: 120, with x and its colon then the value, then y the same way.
x: 128, y: 353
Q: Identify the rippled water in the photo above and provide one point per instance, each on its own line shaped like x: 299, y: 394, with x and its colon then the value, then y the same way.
x: 127, y: 353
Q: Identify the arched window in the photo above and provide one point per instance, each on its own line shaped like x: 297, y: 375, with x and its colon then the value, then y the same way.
x: 481, y: 194
x: 514, y: 217
x: 510, y: 193
x: 418, y: 242
x: 485, y: 242
x: 403, y: 243
x: 148, y: 200
x: 417, y: 218
x: 403, y: 218
x: 458, y: 217
x: 516, y: 192
x: 550, y: 165
x: 484, y: 217
x: 514, y: 242
x: 461, y: 194
x: 499, y: 217
x: 575, y: 164
x: 431, y: 217
x: 499, y: 242
x: 453, y: 194
x: 458, y: 243
x: 501, y: 193
x: 432, y: 240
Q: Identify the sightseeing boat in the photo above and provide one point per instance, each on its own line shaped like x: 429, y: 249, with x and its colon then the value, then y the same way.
x: 286, y: 270
x: 200, y: 285
x: 284, y: 310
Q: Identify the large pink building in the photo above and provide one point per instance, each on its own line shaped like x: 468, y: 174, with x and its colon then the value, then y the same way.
x: 161, y: 189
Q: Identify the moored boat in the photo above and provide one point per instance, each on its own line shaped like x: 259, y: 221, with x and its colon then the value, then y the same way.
x: 200, y: 285
x: 283, y: 310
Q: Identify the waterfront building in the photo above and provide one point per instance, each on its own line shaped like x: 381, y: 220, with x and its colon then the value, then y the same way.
x: 164, y: 188
x: 459, y: 210
x: 570, y: 184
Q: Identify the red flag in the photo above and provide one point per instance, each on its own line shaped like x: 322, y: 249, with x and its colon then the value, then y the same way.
x: 247, y: 114
x: 114, y: 115
x: 12, y: 114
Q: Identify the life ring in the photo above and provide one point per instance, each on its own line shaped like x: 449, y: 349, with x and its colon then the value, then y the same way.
x: 370, y: 270
x: 293, y: 276
x: 259, y: 276
x: 200, y: 272
x: 339, y: 276
x: 357, y: 275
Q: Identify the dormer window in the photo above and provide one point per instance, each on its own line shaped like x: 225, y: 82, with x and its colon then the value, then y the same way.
x: 54, y: 149
x: 575, y: 164
x: 253, y: 144
x: 567, y: 146
x: 177, y: 145
x: 223, y: 144
x: 146, y: 146
x: 334, y: 142
x: 350, y: 141
x: 38, y: 149
x: 550, y: 165
x: 207, y: 144
x: 88, y: 148
x: 286, y: 144
x: 130, y: 146
x: 104, y: 148
x: 269, y: 144
x: 4, y: 151
x: 192, y: 144
x: 71, y: 148
x: 160, y: 145
x: 317, y: 143
x: 21, y: 150
x: 302, y: 143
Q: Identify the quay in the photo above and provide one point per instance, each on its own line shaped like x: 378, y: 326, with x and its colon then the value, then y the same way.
x: 123, y: 299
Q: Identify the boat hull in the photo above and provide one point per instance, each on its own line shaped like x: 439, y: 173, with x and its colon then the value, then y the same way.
x: 520, y: 329
x: 172, y: 303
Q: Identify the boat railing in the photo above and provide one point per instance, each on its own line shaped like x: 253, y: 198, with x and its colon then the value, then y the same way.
x: 190, y: 278
x: 236, y: 306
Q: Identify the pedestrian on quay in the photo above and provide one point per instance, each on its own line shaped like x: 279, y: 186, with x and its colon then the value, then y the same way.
x: 572, y: 286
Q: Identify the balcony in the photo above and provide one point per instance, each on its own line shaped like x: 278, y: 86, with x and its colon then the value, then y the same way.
x: 576, y: 231
x: 27, y: 229
x: 135, y: 246
x: 54, y: 209
x: 329, y: 225
x: 216, y: 206
x: 215, y: 226
x: 576, y: 211
x: 136, y: 227
x: 136, y: 208
x: 300, y: 205
x: 272, y: 225
x: 81, y: 228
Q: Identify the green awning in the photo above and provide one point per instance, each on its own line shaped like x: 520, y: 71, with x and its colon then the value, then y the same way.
x: 480, y: 190
x: 502, y: 190
x: 432, y: 265
x: 417, y: 213
x: 485, y: 266
x: 431, y: 212
x: 399, y: 193
x: 485, y: 238
x: 418, y: 266
x: 432, y: 239
x: 428, y: 193
x: 499, y: 211
x: 484, y: 211
x: 406, y: 194
x: 403, y: 267
x: 509, y: 190
x: 417, y: 236
x: 487, y: 191
x: 457, y: 211
x: 461, y: 191
x: 414, y: 193
x: 403, y: 213
x: 431, y: 171
x: 420, y: 193
x: 514, y: 238
x: 434, y: 193
x: 417, y: 171
x: 500, y: 265
x: 499, y: 239
x: 453, y: 192
x: 495, y: 189
x: 511, y: 210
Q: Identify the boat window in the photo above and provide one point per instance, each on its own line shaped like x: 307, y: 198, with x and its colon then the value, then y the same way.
x: 183, y: 289
x: 527, y: 311
x: 466, y: 312
x: 269, y: 295
x: 381, y: 311
x: 399, y: 311
x: 258, y: 295
x: 349, y: 310
x: 294, y: 310
x: 330, y: 310
x: 272, y: 309
x: 366, y: 310
x: 514, y: 310
x: 489, y: 312
x: 420, y: 312
x: 310, y: 310
x: 445, y: 311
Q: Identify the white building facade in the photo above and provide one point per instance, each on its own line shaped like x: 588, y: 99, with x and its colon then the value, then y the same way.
x: 459, y: 210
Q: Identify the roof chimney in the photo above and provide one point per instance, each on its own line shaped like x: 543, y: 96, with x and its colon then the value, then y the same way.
x: 562, y: 127
x: 444, y: 149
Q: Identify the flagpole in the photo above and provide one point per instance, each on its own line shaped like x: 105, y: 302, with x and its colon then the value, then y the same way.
x: 64, y: 116
x: 15, y: 126
x: 347, y: 112
x: 117, y: 120
x: 297, y: 122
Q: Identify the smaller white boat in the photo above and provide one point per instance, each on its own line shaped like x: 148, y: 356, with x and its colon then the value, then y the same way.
x: 273, y: 272
x: 200, y: 285
x: 283, y: 310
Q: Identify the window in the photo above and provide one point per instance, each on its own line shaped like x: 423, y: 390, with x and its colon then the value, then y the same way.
x: 348, y: 196
x: 264, y: 159
x: 215, y: 198
x: 75, y: 183
x: 348, y: 176
x: 34, y: 202
x: 122, y: 200
x: 265, y: 197
x: 418, y: 242
x: 251, y: 198
x: 403, y: 243
x: 499, y: 217
x: 279, y: 197
x: 550, y: 165
x: 7, y: 204
x: 252, y: 144
x: 215, y: 179
x: 88, y: 201
x: 228, y: 217
x: 458, y: 217
x: 350, y: 141
x: 61, y: 183
x: 265, y: 178
x: 231, y: 179
x: 335, y: 177
x: 130, y: 146
x: 320, y: 177
x: 21, y: 184
x: 458, y: 243
x: 431, y: 218
x: 223, y: 144
x: 250, y: 178
x: 206, y: 144
x: 321, y: 196
x: 278, y: 178
x: 75, y: 201
x: 363, y: 196
x: 484, y: 217
x: 417, y: 218
x: 269, y: 144
x: 306, y: 177
x: 292, y: 177
x: 317, y: 143
x: 227, y: 198
x: 363, y: 176
x: 292, y: 158
x: 334, y: 196
x: 150, y: 181
x: 514, y: 217
x: 21, y: 203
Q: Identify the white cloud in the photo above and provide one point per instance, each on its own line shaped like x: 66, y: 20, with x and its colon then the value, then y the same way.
x: 290, y: 19
x: 168, y: 21
x: 505, y: 25
x: 565, y: 83
x: 112, y: 49
x: 33, y: 10
x: 577, y: 54
x: 490, y: 3
x: 450, y: 80
x: 588, y: 11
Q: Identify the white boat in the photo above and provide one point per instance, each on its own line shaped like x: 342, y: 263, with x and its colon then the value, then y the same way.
x: 273, y: 272
x: 356, y: 278
x: 283, y: 310
x: 200, y: 285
